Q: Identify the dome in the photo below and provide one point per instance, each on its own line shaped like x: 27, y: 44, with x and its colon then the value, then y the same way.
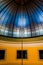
x: 21, y: 18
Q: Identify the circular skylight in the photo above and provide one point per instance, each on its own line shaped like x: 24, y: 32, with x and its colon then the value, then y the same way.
x: 21, y: 18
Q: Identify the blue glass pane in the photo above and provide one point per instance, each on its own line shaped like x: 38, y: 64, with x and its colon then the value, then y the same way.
x: 22, y: 20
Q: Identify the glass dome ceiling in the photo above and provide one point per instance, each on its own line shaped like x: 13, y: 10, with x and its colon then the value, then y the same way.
x: 21, y: 18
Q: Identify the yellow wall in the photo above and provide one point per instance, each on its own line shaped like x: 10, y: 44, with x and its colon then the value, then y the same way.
x: 32, y: 51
